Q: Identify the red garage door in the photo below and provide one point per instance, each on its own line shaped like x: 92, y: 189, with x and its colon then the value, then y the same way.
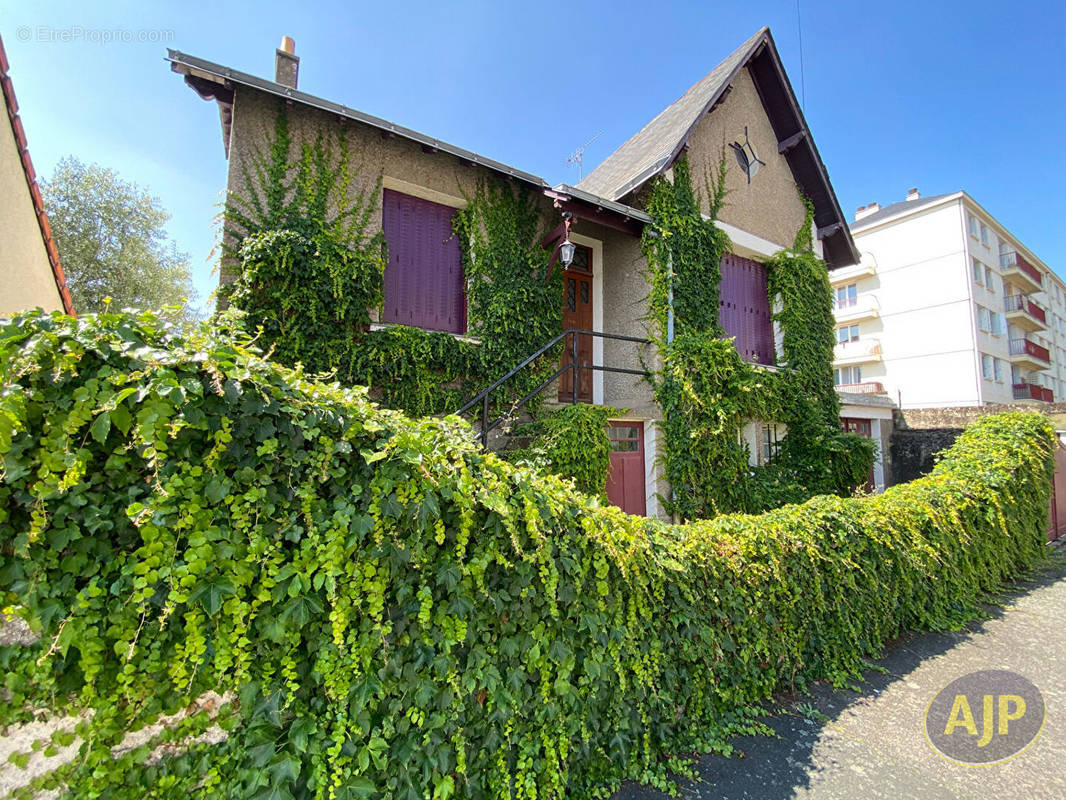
x: 625, y: 482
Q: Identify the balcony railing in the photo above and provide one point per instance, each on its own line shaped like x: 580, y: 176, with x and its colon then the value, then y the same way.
x: 1030, y: 391
x: 857, y: 351
x: 1019, y: 302
x: 1025, y: 347
x: 865, y: 305
x: 1013, y: 259
x: 866, y: 387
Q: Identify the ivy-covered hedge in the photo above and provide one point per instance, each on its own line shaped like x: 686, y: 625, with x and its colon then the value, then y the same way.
x: 401, y: 615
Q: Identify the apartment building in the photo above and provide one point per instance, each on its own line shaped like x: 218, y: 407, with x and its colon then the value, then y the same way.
x: 947, y: 308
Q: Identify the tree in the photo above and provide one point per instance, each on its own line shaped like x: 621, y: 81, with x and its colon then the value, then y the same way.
x: 112, y: 241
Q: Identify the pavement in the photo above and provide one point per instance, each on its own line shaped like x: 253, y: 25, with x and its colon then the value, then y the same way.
x: 871, y: 744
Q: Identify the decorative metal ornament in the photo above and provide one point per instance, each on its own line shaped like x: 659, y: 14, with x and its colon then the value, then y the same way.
x: 748, y: 160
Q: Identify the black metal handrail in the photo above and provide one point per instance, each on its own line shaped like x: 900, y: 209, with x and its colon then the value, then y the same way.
x: 484, y: 395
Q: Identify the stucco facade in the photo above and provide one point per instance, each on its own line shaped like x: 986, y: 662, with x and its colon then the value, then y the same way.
x: 26, y: 277
x: 769, y: 206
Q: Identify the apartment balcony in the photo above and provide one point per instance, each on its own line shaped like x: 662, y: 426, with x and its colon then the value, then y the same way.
x: 1030, y: 391
x: 850, y: 274
x: 866, y: 387
x: 861, y: 351
x: 1021, y: 272
x: 1027, y: 353
x: 864, y: 307
x: 1024, y: 313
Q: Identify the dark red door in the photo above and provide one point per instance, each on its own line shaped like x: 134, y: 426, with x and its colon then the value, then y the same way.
x: 577, y: 314
x: 625, y: 481
x: 864, y: 428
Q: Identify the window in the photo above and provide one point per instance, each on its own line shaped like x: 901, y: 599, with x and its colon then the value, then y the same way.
x: 997, y: 365
x: 985, y: 240
x: 987, y: 369
x: 744, y: 308
x: 424, y: 276
x: 975, y: 230
x: 768, y: 443
x: 978, y: 271
x: 984, y: 319
x: 848, y: 333
x: 843, y: 376
x: 990, y: 281
x: 847, y: 295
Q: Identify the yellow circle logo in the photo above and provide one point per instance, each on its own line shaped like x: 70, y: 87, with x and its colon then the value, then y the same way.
x: 985, y: 718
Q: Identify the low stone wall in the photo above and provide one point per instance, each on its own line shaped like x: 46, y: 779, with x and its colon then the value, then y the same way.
x: 914, y: 450
x: 962, y: 416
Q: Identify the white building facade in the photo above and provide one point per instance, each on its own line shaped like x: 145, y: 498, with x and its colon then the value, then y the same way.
x: 947, y: 308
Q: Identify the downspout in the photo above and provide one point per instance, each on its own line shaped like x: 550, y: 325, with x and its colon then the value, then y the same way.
x: 669, y: 295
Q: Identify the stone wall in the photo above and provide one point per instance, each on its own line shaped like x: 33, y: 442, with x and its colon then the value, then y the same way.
x: 914, y: 450
x: 961, y: 416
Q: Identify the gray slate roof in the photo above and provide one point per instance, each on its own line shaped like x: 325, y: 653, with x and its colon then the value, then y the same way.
x: 898, y: 208
x: 653, y: 146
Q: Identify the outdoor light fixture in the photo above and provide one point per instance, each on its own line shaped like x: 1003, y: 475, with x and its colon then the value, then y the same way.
x: 566, y: 248
x: 746, y: 157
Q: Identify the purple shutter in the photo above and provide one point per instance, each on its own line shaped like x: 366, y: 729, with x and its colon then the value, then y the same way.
x: 744, y: 308
x: 424, y: 276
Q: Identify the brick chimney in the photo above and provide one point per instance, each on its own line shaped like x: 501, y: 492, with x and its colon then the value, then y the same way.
x: 865, y: 211
x: 912, y: 194
x: 286, y: 63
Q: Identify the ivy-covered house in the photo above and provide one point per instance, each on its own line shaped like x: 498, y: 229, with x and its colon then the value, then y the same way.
x: 699, y: 249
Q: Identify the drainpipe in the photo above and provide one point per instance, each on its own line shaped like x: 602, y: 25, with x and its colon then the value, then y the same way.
x: 669, y: 295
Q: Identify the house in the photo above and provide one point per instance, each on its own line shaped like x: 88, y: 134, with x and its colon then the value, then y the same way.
x: 30, y: 273
x: 744, y: 110
x: 987, y: 326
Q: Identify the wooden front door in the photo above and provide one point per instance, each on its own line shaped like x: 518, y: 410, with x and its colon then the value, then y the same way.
x: 625, y: 481
x: 577, y: 313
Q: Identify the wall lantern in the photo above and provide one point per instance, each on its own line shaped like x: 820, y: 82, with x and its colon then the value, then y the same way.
x: 566, y: 248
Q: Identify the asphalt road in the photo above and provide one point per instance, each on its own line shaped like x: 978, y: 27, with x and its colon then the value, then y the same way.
x: 871, y: 744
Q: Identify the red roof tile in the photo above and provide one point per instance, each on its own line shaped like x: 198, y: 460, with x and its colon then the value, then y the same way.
x: 31, y: 180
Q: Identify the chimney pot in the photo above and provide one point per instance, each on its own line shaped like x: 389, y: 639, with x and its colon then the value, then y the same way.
x: 286, y: 63
x: 865, y: 211
x: 912, y: 194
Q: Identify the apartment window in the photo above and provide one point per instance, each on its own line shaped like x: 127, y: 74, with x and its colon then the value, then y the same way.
x: 978, y: 272
x: 847, y: 295
x: 845, y: 375
x: 848, y: 333
x: 987, y: 369
x: 997, y: 366
x: 990, y: 281
x: 984, y: 319
x: 985, y: 240
x: 975, y: 227
x: 424, y: 276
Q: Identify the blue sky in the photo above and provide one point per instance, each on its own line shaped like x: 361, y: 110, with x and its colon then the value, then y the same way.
x: 935, y: 94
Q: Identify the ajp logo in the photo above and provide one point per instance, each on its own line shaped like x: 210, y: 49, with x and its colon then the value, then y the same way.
x: 985, y: 717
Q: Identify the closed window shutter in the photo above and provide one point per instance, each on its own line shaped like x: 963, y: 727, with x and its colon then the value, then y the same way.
x: 744, y: 310
x: 424, y: 276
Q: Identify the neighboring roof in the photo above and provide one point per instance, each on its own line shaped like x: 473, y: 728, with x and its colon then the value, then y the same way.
x: 902, y: 207
x: 12, y: 106
x: 658, y: 144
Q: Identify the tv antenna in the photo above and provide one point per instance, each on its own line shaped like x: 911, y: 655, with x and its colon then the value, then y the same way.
x: 578, y: 156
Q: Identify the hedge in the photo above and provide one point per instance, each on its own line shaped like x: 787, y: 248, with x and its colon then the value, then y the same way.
x: 398, y: 614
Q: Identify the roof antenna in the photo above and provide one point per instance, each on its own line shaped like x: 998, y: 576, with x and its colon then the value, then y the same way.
x: 578, y: 156
x: 799, y: 29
